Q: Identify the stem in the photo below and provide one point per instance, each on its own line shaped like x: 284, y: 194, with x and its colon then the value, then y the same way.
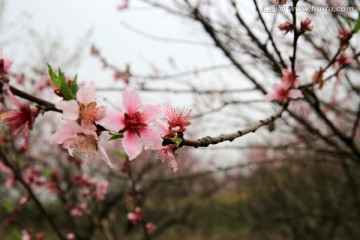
x: 48, y: 105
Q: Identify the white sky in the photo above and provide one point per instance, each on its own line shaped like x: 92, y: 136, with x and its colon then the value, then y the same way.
x: 70, y: 20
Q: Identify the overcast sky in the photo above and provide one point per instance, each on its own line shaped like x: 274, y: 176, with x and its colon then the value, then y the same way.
x: 70, y: 20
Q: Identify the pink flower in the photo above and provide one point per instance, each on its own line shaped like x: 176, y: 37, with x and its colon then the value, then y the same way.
x: 5, y: 63
x: 167, y: 154
x: 178, y: 119
x: 150, y: 227
x: 10, y: 181
x: 25, y: 235
x: 84, y: 108
x: 19, y: 120
x: 70, y: 236
x: 25, y: 200
x: 136, y: 216
x: 345, y: 60
x: 282, y: 93
x: 101, y: 190
x: 289, y: 79
x: 344, y: 37
x: 78, y: 210
x: 80, y: 143
x: 136, y: 123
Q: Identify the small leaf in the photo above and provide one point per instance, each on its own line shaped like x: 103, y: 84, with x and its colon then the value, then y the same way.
x: 121, y: 154
x: 177, y: 141
x: 54, y: 78
x: 64, y: 88
x: 115, y: 136
x: 74, y: 87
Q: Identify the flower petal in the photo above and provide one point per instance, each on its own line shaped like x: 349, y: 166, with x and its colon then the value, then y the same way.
x: 161, y: 127
x: 103, y: 156
x: 294, y: 94
x: 113, y: 120
x: 151, y: 112
x: 151, y: 139
x: 65, y: 132
x: 132, y: 144
x: 70, y: 109
x: 131, y: 100
x: 87, y: 93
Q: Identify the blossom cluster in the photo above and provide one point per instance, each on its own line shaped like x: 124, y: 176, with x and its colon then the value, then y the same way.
x: 139, y: 125
x: 287, y: 89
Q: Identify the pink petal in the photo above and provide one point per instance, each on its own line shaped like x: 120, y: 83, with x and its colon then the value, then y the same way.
x: 151, y: 112
x: 66, y: 132
x: 294, y: 94
x: 104, y: 156
x: 70, y: 109
x: 131, y: 100
x: 132, y: 216
x: 161, y: 127
x: 7, y: 62
x: 132, y: 144
x: 87, y: 94
x: 173, y: 164
x: 271, y: 97
x: 113, y: 120
x: 151, y: 139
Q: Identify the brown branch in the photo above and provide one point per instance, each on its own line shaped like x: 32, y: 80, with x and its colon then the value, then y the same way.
x: 48, y: 106
x: 211, y: 31
x: 260, y: 45
x: 283, y: 64
x: 206, y: 141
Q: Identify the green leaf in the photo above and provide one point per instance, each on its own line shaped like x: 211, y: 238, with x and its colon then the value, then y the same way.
x: 54, y: 78
x: 115, y: 136
x: 347, y: 21
x: 74, y: 87
x: 64, y: 88
x: 121, y: 154
x: 177, y: 141
x: 59, y: 81
x: 357, y: 24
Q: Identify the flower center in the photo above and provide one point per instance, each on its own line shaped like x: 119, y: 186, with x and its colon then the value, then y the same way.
x: 90, y: 112
x: 135, y: 122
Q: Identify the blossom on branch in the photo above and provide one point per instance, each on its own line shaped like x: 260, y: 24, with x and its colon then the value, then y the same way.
x: 282, y: 94
x: 19, y: 120
x: 167, y: 155
x: 287, y: 89
x: 5, y: 63
x: 178, y: 119
x: 136, y: 124
x: 136, y: 216
x: 84, y: 109
x: 289, y: 79
x: 81, y: 143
